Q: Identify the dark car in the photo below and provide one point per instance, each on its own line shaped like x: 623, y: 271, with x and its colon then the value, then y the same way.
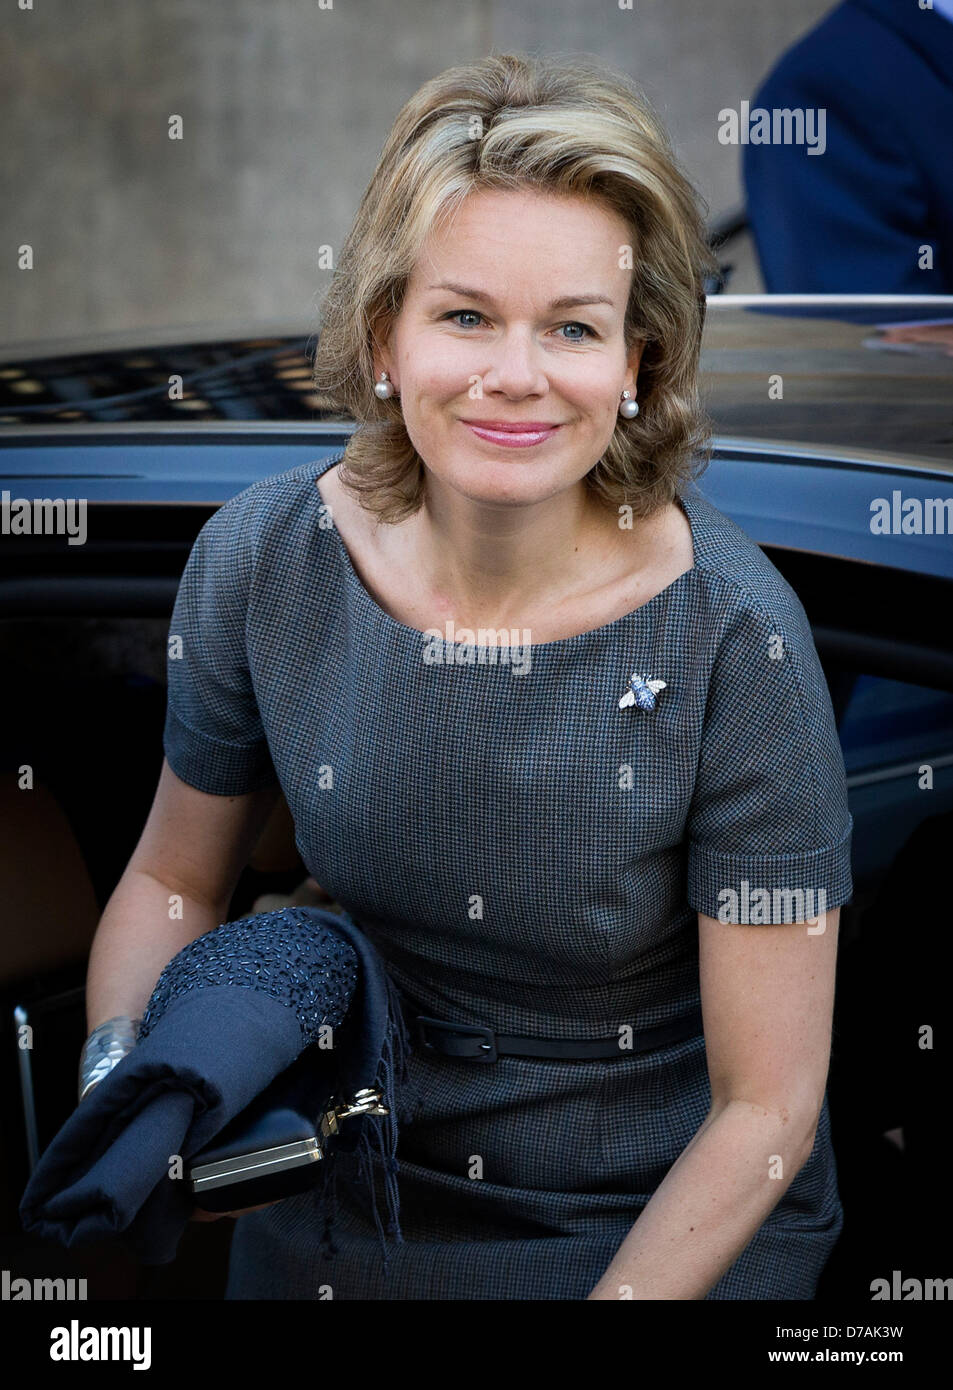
x: 833, y: 449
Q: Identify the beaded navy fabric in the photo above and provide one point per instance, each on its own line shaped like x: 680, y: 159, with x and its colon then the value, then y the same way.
x: 307, y: 967
x: 527, y: 855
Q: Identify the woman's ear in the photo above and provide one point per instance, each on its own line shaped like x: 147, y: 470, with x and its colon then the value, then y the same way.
x: 634, y: 359
x: 382, y: 357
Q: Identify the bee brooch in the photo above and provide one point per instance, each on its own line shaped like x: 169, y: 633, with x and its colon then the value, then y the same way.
x: 641, y: 692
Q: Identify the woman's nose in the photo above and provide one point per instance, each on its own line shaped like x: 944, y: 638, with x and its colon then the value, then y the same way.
x: 514, y: 365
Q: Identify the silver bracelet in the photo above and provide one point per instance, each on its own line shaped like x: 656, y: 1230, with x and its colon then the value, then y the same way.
x: 106, y: 1045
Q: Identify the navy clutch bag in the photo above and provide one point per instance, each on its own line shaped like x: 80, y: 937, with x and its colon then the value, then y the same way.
x: 280, y: 1031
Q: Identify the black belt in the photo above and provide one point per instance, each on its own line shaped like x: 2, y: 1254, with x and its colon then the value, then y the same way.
x: 474, y: 1042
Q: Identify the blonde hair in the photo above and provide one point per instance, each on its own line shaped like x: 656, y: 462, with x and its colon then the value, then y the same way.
x: 560, y: 126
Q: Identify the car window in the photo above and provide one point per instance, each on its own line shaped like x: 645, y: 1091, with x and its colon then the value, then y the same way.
x: 890, y: 732
x: 889, y: 723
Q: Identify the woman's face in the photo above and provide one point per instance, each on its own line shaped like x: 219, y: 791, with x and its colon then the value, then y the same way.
x: 481, y: 341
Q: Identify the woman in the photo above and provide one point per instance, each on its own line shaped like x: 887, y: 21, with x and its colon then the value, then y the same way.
x: 542, y: 716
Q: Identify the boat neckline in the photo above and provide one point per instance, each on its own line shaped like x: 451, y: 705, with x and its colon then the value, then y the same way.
x: 687, y: 503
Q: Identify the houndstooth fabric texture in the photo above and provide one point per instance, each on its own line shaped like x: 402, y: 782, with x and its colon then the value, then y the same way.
x: 526, y: 855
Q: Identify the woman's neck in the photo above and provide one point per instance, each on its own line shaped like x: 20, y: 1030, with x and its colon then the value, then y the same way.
x: 481, y: 559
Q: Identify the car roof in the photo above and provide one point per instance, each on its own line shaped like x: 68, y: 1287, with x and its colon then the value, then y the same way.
x: 824, y: 407
x: 859, y: 374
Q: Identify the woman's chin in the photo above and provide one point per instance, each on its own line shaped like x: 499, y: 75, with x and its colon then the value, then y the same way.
x: 507, y: 492
x: 505, y: 481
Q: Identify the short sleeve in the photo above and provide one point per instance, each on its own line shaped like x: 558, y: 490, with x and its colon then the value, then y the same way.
x: 769, y: 827
x: 213, y: 737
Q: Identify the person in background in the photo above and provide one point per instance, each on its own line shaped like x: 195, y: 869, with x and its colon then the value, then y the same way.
x: 855, y: 218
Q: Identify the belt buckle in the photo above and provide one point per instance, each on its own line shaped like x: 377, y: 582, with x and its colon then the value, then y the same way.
x: 485, y: 1053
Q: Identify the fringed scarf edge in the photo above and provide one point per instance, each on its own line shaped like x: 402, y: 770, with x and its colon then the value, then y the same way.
x: 378, y: 1139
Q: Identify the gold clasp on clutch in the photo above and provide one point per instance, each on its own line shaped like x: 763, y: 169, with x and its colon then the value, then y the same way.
x: 365, y: 1102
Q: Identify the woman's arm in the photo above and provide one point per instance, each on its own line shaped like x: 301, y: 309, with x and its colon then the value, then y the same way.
x: 193, y: 847
x: 767, y: 1002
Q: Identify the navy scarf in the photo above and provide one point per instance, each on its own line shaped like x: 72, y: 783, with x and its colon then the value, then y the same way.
x: 229, y: 1014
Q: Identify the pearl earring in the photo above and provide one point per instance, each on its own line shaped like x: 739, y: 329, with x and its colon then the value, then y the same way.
x: 629, y: 407
x: 383, y: 389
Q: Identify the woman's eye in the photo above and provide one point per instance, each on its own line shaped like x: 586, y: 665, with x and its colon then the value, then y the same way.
x: 584, y: 328
x: 473, y: 314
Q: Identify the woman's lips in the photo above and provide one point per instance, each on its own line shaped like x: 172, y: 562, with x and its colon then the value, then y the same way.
x: 512, y: 436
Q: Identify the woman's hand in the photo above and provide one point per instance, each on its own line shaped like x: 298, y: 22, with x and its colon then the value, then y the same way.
x: 199, y: 1215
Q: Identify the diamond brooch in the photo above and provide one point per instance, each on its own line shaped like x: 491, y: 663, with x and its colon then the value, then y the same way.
x: 641, y: 692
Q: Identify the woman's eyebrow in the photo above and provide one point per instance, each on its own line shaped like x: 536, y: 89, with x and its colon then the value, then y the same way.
x: 566, y: 301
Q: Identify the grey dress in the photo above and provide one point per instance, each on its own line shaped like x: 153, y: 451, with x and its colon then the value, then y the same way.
x: 526, y: 855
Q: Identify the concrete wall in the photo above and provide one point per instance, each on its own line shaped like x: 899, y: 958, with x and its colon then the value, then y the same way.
x: 285, y: 105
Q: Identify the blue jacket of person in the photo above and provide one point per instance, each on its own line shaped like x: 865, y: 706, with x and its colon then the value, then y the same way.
x: 853, y: 216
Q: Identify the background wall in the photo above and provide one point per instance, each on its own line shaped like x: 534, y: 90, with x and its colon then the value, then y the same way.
x: 285, y: 105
